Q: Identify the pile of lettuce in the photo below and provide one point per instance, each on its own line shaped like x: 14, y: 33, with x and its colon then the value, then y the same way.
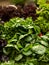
x: 24, y: 45
x: 43, y: 19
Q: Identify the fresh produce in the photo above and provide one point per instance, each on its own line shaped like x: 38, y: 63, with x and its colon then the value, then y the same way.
x: 8, y: 12
x: 24, y: 34
x: 43, y: 20
x: 24, y: 45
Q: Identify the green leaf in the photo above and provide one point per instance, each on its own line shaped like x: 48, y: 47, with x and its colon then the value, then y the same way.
x: 27, y: 47
x: 45, y: 38
x: 27, y: 53
x: 39, y: 49
x: 11, y: 45
x: 44, y: 43
x: 37, y: 29
x: 28, y: 38
x: 18, y: 57
x: 19, y: 45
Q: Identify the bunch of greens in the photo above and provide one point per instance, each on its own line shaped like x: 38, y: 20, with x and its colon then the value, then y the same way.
x: 24, y: 46
x: 43, y: 19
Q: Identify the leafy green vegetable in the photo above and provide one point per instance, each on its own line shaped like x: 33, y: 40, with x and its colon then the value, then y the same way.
x: 39, y: 49
x: 23, y: 42
x: 24, y: 45
x: 43, y: 19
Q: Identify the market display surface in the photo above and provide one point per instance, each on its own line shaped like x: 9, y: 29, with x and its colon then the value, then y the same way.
x: 24, y: 34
